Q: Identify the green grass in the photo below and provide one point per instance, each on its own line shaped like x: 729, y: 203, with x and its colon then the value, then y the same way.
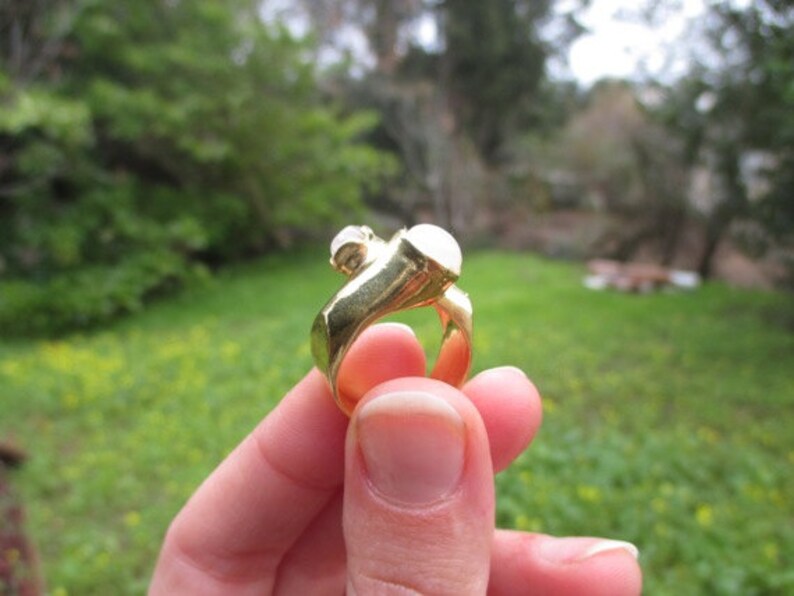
x: 667, y: 417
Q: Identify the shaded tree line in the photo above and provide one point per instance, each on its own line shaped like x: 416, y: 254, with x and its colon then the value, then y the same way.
x: 735, y: 110
x: 467, y: 113
x: 451, y: 110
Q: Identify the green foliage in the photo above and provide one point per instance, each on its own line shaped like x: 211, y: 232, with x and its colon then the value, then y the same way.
x: 664, y: 417
x: 87, y: 296
x: 496, y: 64
x: 187, y: 131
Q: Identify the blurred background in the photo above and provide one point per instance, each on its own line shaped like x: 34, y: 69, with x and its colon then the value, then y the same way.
x: 153, y: 141
x: 169, y: 168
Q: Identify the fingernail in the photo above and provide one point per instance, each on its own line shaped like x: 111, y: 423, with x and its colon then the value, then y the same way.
x: 504, y: 369
x: 413, y: 446
x: 610, y: 545
x: 396, y: 325
x: 572, y: 550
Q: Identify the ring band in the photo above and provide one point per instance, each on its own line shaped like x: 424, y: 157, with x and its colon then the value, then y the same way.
x: 417, y: 267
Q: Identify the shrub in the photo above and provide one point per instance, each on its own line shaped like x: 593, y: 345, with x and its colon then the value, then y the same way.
x: 168, y: 133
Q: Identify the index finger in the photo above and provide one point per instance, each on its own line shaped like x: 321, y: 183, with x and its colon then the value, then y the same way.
x: 238, y: 525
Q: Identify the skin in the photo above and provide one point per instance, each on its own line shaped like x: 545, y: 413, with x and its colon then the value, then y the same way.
x: 313, y: 503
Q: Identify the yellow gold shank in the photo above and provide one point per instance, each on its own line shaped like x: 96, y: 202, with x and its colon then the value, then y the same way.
x: 396, y: 277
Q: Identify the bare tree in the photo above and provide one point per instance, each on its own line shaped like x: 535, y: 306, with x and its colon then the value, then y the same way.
x: 442, y: 168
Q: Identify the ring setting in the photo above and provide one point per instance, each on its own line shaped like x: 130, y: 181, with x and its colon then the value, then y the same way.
x: 415, y: 268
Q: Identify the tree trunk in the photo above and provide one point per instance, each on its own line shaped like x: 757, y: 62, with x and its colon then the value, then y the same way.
x: 715, y: 230
x: 733, y: 205
x: 671, y: 235
x: 384, y: 37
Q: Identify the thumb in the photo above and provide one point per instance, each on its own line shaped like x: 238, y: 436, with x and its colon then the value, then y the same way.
x: 419, y: 504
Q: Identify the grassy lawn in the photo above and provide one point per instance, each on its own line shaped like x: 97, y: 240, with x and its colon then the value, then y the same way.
x: 667, y: 417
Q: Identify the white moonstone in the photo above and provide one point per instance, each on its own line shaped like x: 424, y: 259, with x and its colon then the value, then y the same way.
x: 348, y: 234
x: 438, y: 244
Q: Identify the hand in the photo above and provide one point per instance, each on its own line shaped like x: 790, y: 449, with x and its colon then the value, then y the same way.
x: 416, y: 515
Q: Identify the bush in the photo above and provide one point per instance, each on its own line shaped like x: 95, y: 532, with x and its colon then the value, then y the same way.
x: 160, y: 135
x: 89, y: 296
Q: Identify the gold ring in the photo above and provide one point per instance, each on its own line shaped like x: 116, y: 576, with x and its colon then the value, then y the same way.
x: 417, y: 267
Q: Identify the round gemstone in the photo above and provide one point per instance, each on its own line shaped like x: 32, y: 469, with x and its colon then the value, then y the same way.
x: 350, y: 235
x: 349, y: 248
x: 437, y: 244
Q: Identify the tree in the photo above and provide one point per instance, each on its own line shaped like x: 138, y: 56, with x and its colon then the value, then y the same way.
x: 158, y: 134
x: 382, y: 22
x: 449, y: 109
x: 493, y: 65
x: 628, y: 165
x: 738, y: 102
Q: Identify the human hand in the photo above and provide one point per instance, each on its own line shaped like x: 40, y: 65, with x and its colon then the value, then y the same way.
x: 397, y: 500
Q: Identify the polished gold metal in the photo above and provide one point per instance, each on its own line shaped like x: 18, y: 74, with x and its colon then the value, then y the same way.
x: 385, y: 278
